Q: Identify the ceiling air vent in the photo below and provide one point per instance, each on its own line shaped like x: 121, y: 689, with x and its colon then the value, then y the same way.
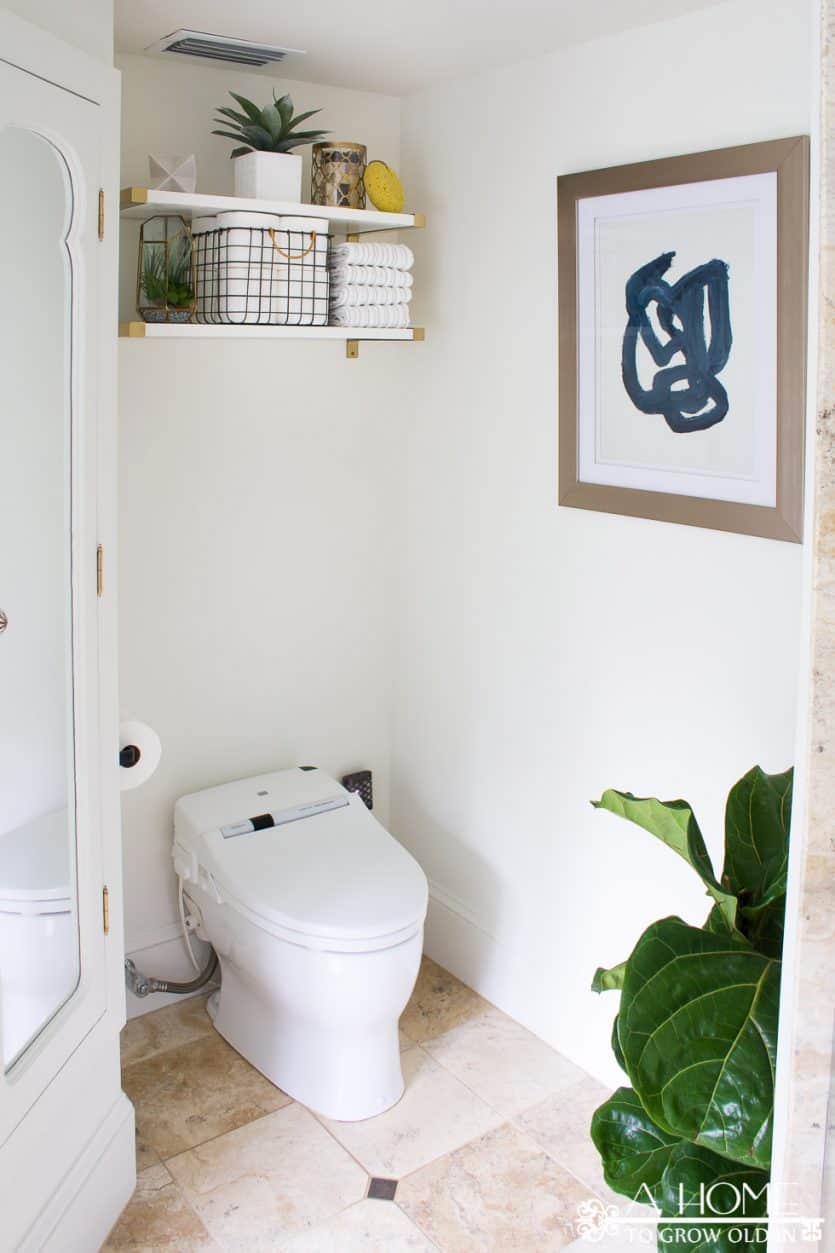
x: 197, y: 43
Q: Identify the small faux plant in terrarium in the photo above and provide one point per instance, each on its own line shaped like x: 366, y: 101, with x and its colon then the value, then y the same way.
x: 165, y: 282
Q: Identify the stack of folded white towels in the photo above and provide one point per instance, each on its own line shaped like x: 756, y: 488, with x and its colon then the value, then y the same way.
x: 370, y: 284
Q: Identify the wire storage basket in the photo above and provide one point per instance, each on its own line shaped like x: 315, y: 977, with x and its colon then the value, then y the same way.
x: 257, y: 269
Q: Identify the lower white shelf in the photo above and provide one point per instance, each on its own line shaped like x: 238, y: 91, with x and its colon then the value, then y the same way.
x: 199, y: 330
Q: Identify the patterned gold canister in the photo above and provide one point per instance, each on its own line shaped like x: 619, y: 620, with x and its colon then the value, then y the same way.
x: 337, y: 175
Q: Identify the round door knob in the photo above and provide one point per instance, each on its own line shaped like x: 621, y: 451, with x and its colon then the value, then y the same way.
x: 4, y: 621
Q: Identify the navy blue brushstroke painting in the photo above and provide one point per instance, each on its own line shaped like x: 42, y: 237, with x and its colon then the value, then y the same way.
x: 702, y: 401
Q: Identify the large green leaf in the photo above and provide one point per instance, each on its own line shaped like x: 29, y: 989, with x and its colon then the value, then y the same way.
x: 616, y: 1048
x: 717, y: 923
x: 674, y: 823
x: 757, y: 818
x: 763, y: 926
x: 698, y: 1030
x: 634, y: 1151
x: 699, y: 1184
x: 608, y: 980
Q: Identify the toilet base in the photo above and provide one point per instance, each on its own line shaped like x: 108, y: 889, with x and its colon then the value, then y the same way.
x: 345, y: 1075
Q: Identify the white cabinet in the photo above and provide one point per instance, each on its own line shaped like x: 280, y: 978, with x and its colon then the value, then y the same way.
x: 66, y: 1130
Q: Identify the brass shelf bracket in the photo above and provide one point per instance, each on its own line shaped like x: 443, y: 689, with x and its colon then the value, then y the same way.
x: 353, y: 237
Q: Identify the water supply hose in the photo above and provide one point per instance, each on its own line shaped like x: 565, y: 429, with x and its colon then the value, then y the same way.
x: 143, y: 985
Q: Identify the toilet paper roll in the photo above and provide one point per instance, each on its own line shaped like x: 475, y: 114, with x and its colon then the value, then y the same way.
x: 135, y: 768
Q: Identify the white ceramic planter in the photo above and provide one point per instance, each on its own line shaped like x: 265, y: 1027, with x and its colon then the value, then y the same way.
x: 269, y: 176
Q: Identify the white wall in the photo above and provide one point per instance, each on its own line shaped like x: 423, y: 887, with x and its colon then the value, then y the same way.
x: 87, y: 24
x: 256, y: 502
x: 545, y: 653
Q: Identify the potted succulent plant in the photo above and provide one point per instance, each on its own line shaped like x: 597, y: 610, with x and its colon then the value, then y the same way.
x: 266, y: 167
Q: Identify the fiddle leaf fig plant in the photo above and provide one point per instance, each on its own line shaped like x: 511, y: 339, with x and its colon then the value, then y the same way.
x: 696, y: 1031
x: 271, y: 129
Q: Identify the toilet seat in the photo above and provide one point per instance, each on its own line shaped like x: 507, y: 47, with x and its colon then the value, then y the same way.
x: 35, y: 867
x: 333, y: 879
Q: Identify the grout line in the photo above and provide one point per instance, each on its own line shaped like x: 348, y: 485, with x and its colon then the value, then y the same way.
x: 558, y: 1161
x: 450, y: 1152
x: 422, y: 1230
x: 171, y: 1182
x: 200, y: 1035
x: 312, y: 1230
x: 320, y: 1118
x: 210, y: 1139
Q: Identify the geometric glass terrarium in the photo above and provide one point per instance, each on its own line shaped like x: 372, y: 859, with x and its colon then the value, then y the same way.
x: 165, y: 281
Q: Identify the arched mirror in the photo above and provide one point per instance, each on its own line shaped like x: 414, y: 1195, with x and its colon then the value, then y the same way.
x: 39, y: 938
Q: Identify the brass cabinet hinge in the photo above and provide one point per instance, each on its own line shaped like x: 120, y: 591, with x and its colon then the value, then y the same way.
x: 105, y: 909
x: 99, y: 570
x: 101, y: 213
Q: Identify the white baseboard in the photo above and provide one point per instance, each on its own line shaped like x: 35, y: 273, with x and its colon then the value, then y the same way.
x: 137, y: 943
x: 91, y: 1197
x: 164, y: 955
x: 456, y: 940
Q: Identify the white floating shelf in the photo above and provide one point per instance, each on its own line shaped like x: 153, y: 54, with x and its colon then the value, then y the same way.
x: 198, y: 330
x: 140, y: 203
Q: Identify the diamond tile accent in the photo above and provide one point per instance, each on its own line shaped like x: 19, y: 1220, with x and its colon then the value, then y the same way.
x: 382, y: 1189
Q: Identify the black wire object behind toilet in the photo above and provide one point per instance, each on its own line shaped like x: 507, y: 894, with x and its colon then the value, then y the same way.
x: 360, y: 781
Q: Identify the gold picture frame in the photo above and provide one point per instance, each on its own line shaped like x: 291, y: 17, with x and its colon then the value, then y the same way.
x: 782, y: 363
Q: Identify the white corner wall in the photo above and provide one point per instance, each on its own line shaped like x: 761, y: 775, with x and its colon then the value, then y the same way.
x: 257, y: 492
x: 545, y: 653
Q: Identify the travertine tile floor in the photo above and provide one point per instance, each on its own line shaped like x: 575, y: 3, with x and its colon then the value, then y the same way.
x: 488, y: 1147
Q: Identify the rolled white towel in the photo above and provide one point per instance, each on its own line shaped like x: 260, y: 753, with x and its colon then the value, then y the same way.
x: 352, y: 294
x: 398, y: 255
x: 371, y: 316
x: 375, y: 275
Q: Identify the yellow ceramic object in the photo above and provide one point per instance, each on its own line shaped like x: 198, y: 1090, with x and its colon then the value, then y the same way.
x: 383, y: 188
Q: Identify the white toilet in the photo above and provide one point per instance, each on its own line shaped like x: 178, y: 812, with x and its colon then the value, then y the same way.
x: 316, y: 913
x: 38, y: 933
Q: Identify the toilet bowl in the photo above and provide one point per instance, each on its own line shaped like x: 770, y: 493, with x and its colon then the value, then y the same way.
x: 38, y: 933
x: 316, y: 913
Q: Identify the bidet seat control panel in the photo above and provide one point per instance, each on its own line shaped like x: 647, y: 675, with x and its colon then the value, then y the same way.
x: 294, y: 813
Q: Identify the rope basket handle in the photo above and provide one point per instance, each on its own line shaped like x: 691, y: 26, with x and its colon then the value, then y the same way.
x: 286, y: 255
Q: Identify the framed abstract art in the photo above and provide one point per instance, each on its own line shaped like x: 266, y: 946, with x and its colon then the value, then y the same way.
x: 682, y: 338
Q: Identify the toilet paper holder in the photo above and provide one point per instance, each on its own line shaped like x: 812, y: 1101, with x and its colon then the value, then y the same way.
x: 139, y: 753
x: 129, y: 756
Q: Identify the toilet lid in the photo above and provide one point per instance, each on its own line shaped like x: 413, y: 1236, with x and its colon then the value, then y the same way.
x: 35, y: 865
x: 335, y: 874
